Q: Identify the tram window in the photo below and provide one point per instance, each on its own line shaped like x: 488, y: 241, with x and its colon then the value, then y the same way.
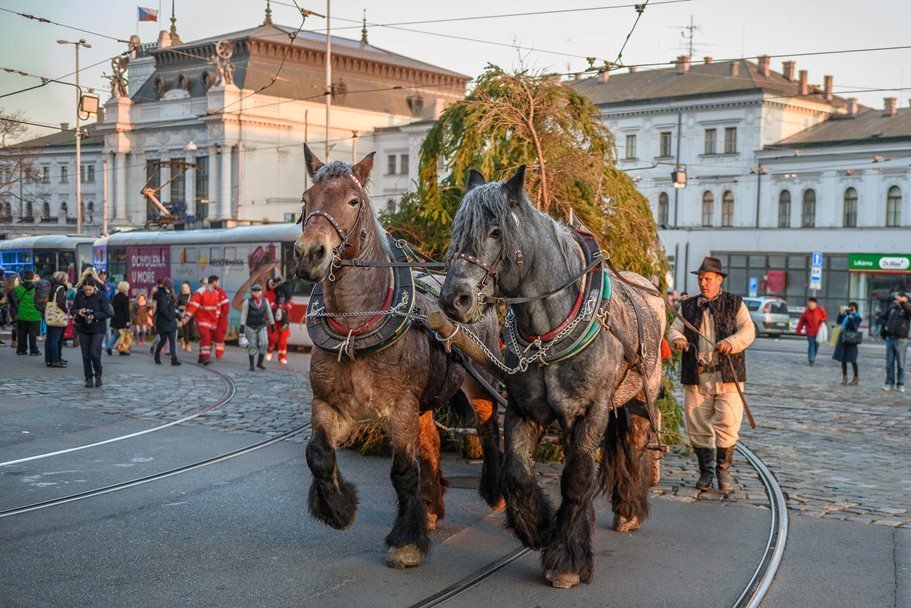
x: 8, y: 257
x: 66, y: 261
x: 45, y: 263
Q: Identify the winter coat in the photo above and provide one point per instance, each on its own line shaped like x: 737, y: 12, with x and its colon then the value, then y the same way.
x: 847, y: 352
x: 811, y: 320
x: 896, y: 320
x: 25, y: 299
x: 165, y: 311
x: 98, y: 304
x: 121, y: 304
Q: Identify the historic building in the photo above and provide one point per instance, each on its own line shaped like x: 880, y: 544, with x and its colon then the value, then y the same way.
x: 237, y: 109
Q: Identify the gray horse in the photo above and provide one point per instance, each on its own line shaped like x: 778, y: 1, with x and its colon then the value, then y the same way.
x: 503, y: 247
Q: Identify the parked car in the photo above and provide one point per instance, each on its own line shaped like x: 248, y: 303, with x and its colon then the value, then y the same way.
x: 794, y: 313
x: 769, y: 314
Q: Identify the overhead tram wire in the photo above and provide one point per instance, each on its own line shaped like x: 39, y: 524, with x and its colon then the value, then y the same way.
x: 640, y: 9
x: 71, y: 27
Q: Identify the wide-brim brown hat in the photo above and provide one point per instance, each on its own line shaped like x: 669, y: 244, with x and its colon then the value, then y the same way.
x: 710, y: 264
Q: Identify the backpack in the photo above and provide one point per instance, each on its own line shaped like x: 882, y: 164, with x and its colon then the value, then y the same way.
x: 42, y: 294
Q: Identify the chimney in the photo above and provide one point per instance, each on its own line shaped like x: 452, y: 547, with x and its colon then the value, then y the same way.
x: 735, y: 67
x: 683, y: 63
x: 555, y: 77
x: 764, y: 68
x: 604, y: 76
x: 633, y: 69
x: 827, y: 87
x: 787, y: 69
x: 64, y: 126
x: 804, y: 88
x: 890, y: 106
x: 851, y: 108
x: 708, y: 59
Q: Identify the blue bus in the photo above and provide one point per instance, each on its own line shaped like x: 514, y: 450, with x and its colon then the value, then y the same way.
x: 47, y: 254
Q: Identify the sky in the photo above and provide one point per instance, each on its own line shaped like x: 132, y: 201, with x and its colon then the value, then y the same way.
x: 549, y: 42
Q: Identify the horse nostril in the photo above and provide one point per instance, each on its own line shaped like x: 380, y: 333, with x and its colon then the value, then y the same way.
x: 463, y: 302
x: 317, y: 253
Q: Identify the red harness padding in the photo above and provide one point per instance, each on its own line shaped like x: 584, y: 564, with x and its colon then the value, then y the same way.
x: 549, y: 335
x: 338, y: 327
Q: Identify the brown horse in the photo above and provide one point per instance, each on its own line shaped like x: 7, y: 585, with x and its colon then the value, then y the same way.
x: 396, y: 387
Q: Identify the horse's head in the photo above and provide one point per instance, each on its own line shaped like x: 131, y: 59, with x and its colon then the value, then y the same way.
x: 335, y: 215
x: 485, y: 257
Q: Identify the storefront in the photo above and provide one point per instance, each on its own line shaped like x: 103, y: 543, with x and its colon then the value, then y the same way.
x: 874, y: 278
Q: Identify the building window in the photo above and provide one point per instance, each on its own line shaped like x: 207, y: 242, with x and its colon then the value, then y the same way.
x: 390, y: 205
x: 202, y: 187
x: 87, y: 174
x: 390, y: 164
x: 179, y: 185
x: 784, y: 209
x: 663, y: 206
x: 850, y: 212
x: 64, y: 209
x: 28, y: 175
x: 630, y: 151
x: 403, y: 164
x: 727, y: 209
x: 29, y: 213
x: 710, y: 137
x: 153, y: 180
x: 64, y: 174
x: 45, y: 175
x: 665, y: 144
x: 808, y: 210
x: 708, y: 208
x: 894, y: 207
x: 730, y: 140
x: 46, y: 211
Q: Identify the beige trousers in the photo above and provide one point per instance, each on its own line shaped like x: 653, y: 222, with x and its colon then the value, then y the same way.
x: 712, y: 420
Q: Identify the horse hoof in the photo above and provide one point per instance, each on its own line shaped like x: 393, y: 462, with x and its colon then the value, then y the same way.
x: 431, y: 521
x: 499, y: 506
x: 622, y: 524
x: 403, y: 557
x: 562, y: 580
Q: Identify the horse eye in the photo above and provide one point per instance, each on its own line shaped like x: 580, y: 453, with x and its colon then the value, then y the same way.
x: 495, y: 233
x: 354, y: 202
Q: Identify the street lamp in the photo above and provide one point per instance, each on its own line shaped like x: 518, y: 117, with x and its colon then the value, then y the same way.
x: 79, y: 109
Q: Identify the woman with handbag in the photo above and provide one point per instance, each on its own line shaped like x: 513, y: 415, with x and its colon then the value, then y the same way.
x: 56, y: 319
x: 848, y: 339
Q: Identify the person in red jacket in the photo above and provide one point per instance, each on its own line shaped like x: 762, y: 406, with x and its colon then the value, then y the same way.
x: 224, y: 311
x: 810, y: 322
x: 204, y: 305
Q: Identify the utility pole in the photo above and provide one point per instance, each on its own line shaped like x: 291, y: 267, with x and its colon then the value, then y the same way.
x: 77, y: 44
x: 328, y: 74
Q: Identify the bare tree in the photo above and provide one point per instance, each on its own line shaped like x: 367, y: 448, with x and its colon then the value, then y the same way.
x: 11, y: 126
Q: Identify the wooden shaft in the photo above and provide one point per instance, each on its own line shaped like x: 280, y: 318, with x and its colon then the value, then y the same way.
x: 439, y: 323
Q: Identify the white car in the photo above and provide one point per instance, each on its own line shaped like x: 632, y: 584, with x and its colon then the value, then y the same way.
x: 769, y: 315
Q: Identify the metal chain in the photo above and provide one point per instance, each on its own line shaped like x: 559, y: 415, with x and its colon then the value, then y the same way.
x: 321, y: 312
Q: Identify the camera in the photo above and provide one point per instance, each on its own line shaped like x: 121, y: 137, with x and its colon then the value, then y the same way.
x: 87, y: 314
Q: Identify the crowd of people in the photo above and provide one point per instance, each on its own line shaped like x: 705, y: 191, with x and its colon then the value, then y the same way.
x: 99, y: 316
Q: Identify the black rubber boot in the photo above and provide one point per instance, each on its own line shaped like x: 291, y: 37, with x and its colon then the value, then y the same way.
x: 90, y: 382
x: 259, y: 362
x: 706, y: 457
x: 723, y: 468
x: 157, y: 358
x: 251, y: 363
x: 175, y: 361
x: 97, y: 381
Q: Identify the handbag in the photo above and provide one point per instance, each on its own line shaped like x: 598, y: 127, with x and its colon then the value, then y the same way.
x: 53, y: 315
x: 823, y: 334
x: 850, y: 337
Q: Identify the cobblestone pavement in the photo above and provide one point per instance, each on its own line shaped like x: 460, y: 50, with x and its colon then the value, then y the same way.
x: 838, y: 452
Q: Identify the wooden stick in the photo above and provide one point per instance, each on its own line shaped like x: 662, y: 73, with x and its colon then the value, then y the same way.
x: 439, y: 323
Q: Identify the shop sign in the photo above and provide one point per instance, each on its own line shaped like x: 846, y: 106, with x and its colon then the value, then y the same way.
x: 876, y: 262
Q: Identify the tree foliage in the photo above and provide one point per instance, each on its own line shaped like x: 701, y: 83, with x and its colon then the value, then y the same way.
x: 511, y: 119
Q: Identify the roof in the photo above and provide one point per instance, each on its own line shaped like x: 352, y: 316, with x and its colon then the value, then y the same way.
x: 868, y: 126
x: 49, y: 241
x: 702, y: 79
x: 62, y: 139
x: 239, y: 234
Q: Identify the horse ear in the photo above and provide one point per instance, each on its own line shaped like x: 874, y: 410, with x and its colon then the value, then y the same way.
x: 313, y: 163
x: 515, y: 186
x: 475, y: 179
x: 362, y: 169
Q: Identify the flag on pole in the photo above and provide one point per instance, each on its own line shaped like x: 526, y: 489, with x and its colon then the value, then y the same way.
x: 147, y: 14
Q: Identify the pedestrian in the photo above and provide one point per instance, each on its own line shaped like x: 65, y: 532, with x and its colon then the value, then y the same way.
x: 848, y: 339
x: 224, y: 311
x: 56, y: 318
x: 165, y: 306
x: 255, y: 318
x: 810, y: 322
x: 120, y: 322
x: 894, y: 330
x: 141, y: 317
x: 8, y: 301
x: 713, y: 370
x: 185, y: 333
x: 91, y: 310
x: 204, y: 308
x: 28, y: 317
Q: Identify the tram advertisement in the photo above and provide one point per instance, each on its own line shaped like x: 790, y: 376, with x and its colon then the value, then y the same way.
x: 145, y: 266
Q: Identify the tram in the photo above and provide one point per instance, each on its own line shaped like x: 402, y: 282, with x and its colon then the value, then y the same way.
x: 240, y: 256
x: 47, y: 254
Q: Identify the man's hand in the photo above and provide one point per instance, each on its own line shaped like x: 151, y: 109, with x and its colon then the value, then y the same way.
x: 680, y: 344
x: 724, y: 347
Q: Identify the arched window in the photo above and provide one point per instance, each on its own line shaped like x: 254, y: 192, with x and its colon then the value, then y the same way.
x: 894, y: 207
x: 808, y: 209
x: 46, y: 211
x: 90, y: 211
x: 727, y: 209
x: 849, y: 217
x: 663, y: 206
x: 64, y: 209
x: 708, y: 208
x: 784, y: 209
x: 29, y: 212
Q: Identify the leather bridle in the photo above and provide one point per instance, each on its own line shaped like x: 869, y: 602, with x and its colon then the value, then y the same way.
x: 345, y: 237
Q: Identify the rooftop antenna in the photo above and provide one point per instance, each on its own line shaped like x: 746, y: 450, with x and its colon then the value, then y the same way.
x: 688, y: 34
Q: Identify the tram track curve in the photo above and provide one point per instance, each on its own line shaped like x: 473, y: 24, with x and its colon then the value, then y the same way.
x: 229, y: 394
x: 752, y: 594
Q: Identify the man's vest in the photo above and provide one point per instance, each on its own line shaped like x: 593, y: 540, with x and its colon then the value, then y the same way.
x: 256, y: 315
x: 724, y: 313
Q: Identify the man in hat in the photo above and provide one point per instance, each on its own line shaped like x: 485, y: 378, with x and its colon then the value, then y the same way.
x: 255, y: 317
x: 895, y: 322
x: 712, y: 363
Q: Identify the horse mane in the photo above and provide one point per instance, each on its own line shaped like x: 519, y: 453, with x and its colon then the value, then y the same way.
x: 488, y: 204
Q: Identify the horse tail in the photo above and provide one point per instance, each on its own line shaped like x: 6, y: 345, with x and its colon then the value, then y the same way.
x: 624, y: 471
